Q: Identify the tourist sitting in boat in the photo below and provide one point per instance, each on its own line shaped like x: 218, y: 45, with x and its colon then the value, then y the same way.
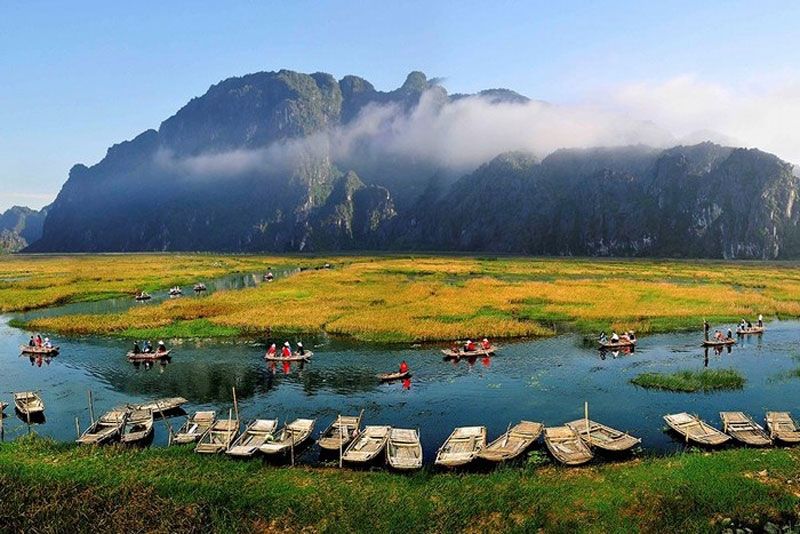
x: 624, y: 337
x: 148, y: 347
x: 403, y: 366
x: 38, y: 340
x: 273, y: 350
x: 485, y: 344
x: 742, y: 324
x: 47, y: 343
x: 749, y: 325
x: 136, y: 349
x: 469, y: 346
x: 32, y: 342
x: 632, y: 336
x: 286, y: 351
x: 614, y: 337
x: 161, y: 347
x: 269, y: 276
x: 300, y: 349
x: 718, y: 335
x: 603, y: 338
x: 730, y: 333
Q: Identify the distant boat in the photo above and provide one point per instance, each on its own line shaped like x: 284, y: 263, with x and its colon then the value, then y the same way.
x: 175, y: 291
x: 29, y: 403
x: 142, y: 296
x: 461, y: 353
x: 388, y: 377
x: 198, y: 287
x: 750, y: 331
x: 305, y: 357
x: 720, y: 343
x: 621, y: 344
x: 148, y: 356
x: 27, y: 349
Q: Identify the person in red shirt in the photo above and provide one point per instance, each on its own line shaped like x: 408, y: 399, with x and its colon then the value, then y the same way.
x: 469, y: 346
x: 403, y: 366
x: 286, y: 352
x: 485, y: 344
x: 273, y: 350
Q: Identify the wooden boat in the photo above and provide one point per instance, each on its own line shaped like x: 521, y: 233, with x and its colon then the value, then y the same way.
x: 143, y: 296
x: 694, y: 429
x: 138, y: 426
x: 566, y: 445
x: 742, y: 428
x: 3, y: 406
x: 199, y: 287
x: 332, y: 438
x: 159, y: 406
x: 388, y: 377
x: 781, y: 426
x: 109, y: 427
x: 254, y: 436
x: 175, y: 291
x: 404, y: 450
x: 462, y: 446
x: 513, y: 442
x: 219, y: 437
x: 148, y: 356
x: 194, y: 427
x: 603, y: 437
x: 28, y: 403
x: 27, y: 349
x: 293, y: 358
x: 750, y: 331
x: 292, y: 435
x: 617, y: 345
x: 368, y: 444
x: 461, y: 353
x: 721, y: 343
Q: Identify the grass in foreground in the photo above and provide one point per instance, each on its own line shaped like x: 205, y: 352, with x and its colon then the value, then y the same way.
x: 54, y: 488
x: 690, y: 381
x: 428, y: 298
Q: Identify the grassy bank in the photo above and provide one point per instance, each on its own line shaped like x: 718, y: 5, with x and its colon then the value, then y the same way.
x: 389, y: 298
x: 705, y: 380
x: 176, y: 491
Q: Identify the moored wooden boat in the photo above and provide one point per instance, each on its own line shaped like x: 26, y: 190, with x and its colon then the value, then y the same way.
x: 160, y: 406
x: 138, y: 426
x: 255, y: 435
x: 388, y: 377
x: 28, y: 403
x: 3, y: 406
x: 293, y: 358
x: 693, y: 428
x: 368, y: 444
x: 566, y: 445
x: 148, y: 356
x: 720, y: 343
x: 219, y: 437
x: 107, y: 428
x: 194, y: 427
x: 27, y: 349
x: 781, y: 426
x: 462, y: 446
x: 750, y: 331
x: 742, y: 428
x: 603, y: 437
x: 513, y: 442
x: 461, y: 353
x: 340, y: 432
x: 292, y: 435
x: 403, y: 449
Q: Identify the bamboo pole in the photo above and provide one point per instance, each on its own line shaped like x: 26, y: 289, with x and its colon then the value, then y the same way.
x: 169, y: 427
x: 291, y: 441
x: 505, y: 441
x: 586, y: 417
x: 341, y: 439
x: 235, y: 404
x: 91, y: 406
x: 77, y: 427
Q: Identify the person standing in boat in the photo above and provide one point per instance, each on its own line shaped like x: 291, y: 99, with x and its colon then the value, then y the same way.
x: 286, y: 351
x: 300, y: 349
x: 760, y: 320
x: 705, y: 329
x: 136, y: 349
x: 403, y: 367
x: 272, y: 351
x: 730, y: 334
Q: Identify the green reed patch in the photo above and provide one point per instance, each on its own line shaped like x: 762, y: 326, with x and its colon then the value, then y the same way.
x: 691, y: 380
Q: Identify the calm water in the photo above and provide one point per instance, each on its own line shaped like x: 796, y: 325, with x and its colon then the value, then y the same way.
x: 543, y: 380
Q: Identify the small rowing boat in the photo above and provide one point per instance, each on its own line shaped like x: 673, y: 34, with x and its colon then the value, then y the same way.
x: 602, y: 436
x: 255, y: 435
x: 199, y: 287
x: 513, y: 442
x: 29, y: 403
x: 340, y: 432
x: 461, y: 353
x: 107, y: 428
x: 148, y: 356
x: 305, y: 357
x: 750, y: 331
x: 720, y: 343
x: 159, y: 406
x: 742, y: 428
x: 388, y: 377
x: 566, y: 445
x: 292, y: 435
x: 175, y: 291
x: 368, y: 444
x: 219, y: 437
x: 694, y: 429
x: 404, y: 450
x: 194, y: 427
x: 27, y: 349
x: 614, y: 345
x: 781, y: 426
x: 138, y: 426
x: 462, y: 446
x: 142, y: 296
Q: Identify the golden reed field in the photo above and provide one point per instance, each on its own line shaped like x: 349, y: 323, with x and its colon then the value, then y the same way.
x: 401, y: 298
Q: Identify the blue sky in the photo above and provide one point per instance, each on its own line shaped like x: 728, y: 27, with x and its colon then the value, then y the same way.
x: 76, y: 77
